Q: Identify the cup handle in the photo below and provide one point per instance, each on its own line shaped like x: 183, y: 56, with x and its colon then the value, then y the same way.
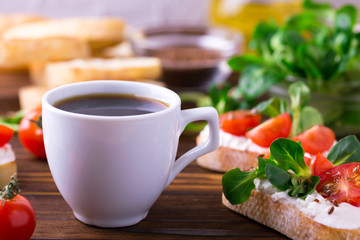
x: 208, y: 114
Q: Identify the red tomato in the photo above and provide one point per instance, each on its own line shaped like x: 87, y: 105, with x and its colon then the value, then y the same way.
x: 321, y: 164
x: 238, y: 122
x: 6, y: 134
x: 17, y: 218
x: 277, y: 127
x: 31, y: 134
x: 316, y: 139
x: 341, y: 183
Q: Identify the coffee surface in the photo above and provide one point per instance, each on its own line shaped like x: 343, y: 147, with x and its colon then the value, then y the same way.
x: 110, y: 105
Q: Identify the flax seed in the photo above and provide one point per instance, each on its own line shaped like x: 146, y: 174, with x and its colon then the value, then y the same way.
x: 331, y: 210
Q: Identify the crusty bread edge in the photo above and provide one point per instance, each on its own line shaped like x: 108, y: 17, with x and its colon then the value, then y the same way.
x: 286, y: 219
x: 224, y: 159
x: 7, y: 170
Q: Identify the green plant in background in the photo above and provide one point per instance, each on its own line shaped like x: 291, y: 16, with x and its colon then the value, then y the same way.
x: 318, y: 46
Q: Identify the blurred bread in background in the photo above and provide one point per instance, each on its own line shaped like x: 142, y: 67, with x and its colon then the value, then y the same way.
x: 78, y: 70
x: 57, y: 39
x: 19, y: 53
x: 97, y: 32
x: 49, y: 75
x: 11, y: 20
x: 61, y: 51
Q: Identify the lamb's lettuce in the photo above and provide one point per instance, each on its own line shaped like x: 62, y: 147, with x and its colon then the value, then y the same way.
x: 286, y: 169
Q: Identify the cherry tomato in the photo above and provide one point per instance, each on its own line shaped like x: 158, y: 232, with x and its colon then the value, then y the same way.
x: 31, y: 134
x: 6, y: 134
x: 321, y: 164
x: 238, y: 122
x: 316, y: 139
x: 341, y: 183
x: 265, y: 133
x: 17, y: 217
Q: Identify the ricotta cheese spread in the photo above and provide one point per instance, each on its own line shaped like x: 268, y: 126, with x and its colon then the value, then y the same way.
x: 241, y: 143
x: 345, y: 216
x: 6, y: 154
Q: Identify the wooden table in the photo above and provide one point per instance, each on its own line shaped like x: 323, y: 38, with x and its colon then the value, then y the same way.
x: 190, y: 208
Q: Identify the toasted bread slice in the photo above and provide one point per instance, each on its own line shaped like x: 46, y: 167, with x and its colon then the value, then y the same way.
x: 97, y: 32
x: 7, y: 165
x: 19, y: 53
x: 30, y: 96
x: 11, y: 20
x: 59, y: 73
x: 226, y: 158
x: 287, y: 220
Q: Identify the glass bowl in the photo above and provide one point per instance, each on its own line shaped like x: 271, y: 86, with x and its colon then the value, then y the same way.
x: 192, y: 57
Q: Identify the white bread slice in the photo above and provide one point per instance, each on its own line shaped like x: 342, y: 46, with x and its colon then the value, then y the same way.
x: 97, y: 32
x: 78, y: 70
x: 7, y: 167
x: 19, y: 53
x: 30, y: 96
x: 121, y: 50
x: 13, y: 19
x: 224, y: 159
x: 287, y: 220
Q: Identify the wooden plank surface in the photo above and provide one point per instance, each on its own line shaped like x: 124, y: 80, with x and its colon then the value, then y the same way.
x: 190, y: 208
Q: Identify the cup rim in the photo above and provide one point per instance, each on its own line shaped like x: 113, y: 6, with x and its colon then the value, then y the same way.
x: 175, y: 99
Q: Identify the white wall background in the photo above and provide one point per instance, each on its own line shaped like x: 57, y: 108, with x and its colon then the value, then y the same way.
x: 135, y: 12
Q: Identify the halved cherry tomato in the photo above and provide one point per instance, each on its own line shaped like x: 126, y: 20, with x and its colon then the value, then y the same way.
x: 31, y: 134
x: 238, y: 122
x: 341, y: 183
x: 6, y: 134
x: 316, y: 139
x: 17, y: 216
x: 321, y: 164
x: 265, y: 133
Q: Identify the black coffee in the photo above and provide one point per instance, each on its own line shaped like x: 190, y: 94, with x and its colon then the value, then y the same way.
x: 110, y: 105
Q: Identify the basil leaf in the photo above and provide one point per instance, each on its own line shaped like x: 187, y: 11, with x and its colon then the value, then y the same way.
x: 289, y: 155
x: 269, y: 107
x: 278, y: 177
x: 237, y: 185
x: 257, y: 79
x: 347, y: 150
x: 238, y: 63
x: 309, y: 117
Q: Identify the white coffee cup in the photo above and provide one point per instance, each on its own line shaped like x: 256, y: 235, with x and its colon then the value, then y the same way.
x: 111, y: 170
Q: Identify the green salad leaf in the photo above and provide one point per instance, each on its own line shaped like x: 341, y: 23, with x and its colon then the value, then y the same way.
x: 303, y: 117
x: 237, y: 185
x: 318, y: 45
x: 12, y: 120
x: 345, y: 151
x: 285, y: 169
